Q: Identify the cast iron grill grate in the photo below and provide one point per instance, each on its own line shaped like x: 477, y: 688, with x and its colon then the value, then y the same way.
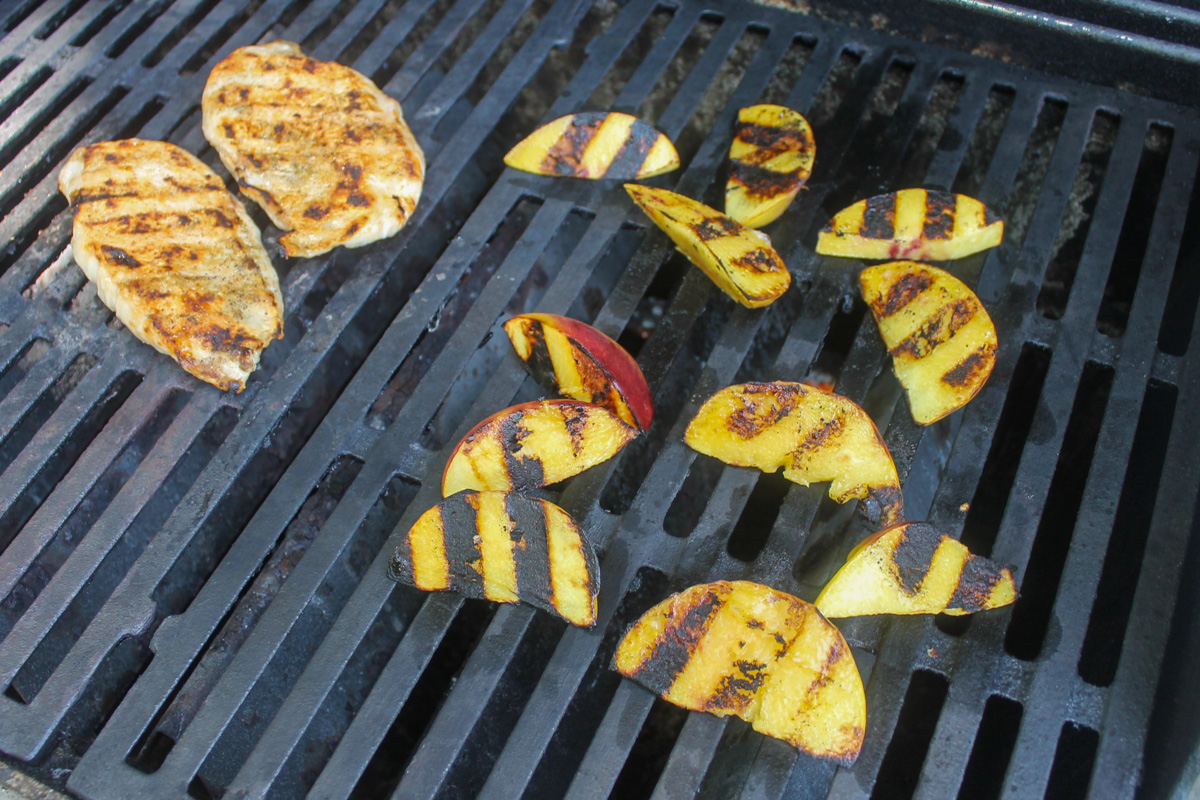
x: 194, y: 602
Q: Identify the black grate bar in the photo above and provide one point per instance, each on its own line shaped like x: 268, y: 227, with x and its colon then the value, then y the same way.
x: 296, y: 591
x: 20, y: 553
x: 341, y: 37
x: 696, y: 745
x: 955, y: 735
x: 599, y: 770
x: 113, y: 522
x: 437, y: 42
x: 463, y: 74
x: 1119, y: 763
x: 1081, y: 572
x: 35, y: 384
x: 56, y: 430
x: 28, y: 40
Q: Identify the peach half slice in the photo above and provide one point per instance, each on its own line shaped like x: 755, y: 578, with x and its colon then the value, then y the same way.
x: 912, y: 223
x: 915, y: 569
x: 814, y: 435
x: 746, y: 649
x: 534, y: 444
x: 739, y: 260
x: 771, y: 158
x: 575, y: 360
x: 504, y: 547
x: 595, y: 144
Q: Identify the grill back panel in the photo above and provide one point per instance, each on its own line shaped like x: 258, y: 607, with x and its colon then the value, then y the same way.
x: 195, y: 602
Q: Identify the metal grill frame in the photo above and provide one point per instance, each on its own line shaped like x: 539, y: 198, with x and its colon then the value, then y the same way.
x: 468, y: 735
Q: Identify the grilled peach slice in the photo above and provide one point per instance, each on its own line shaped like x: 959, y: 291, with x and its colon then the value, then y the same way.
x: 814, y: 435
x: 502, y: 546
x: 534, y: 444
x: 745, y: 649
x: 911, y: 223
x: 770, y: 159
x: 942, y: 341
x: 740, y: 260
x: 595, y: 145
x: 915, y: 569
x: 575, y: 360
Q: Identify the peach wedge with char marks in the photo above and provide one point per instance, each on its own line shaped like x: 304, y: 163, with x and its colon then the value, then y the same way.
x: 770, y: 159
x: 740, y: 260
x: 940, y: 337
x: 505, y: 547
x: 595, y: 145
x: 915, y: 569
x: 812, y: 434
x: 911, y: 223
x: 535, y: 444
x: 577, y: 361
x: 745, y: 649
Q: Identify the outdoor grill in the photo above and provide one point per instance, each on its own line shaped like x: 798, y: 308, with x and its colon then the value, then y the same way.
x: 194, y: 594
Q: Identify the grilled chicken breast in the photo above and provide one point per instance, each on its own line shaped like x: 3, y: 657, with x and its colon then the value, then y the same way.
x: 324, y: 152
x: 174, y: 255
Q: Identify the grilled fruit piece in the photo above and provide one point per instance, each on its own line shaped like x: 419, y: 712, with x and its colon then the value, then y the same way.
x: 914, y: 569
x: 770, y: 159
x: 813, y: 434
x: 745, y: 649
x: 942, y: 341
x: 911, y: 223
x: 174, y: 255
x: 595, y: 145
x: 534, y: 444
x: 505, y: 547
x: 316, y: 144
x: 740, y: 260
x: 576, y: 360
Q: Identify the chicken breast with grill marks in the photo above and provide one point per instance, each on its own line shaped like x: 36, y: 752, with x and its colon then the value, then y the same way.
x: 175, y: 255
x: 324, y: 152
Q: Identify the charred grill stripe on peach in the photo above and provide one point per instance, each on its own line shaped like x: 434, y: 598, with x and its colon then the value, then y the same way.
x: 401, y: 564
x: 879, y: 217
x: 914, y: 554
x: 905, y: 290
x: 946, y: 320
x: 530, y: 547
x: 884, y: 504
x: 525, y: 470
x: 638, y: 143
x: 763, y: 182
x: 537, y: 357
x: 714, y: 227
x: 820, y: 436
x: 738, y: 686
x: 566, y: 155
x: 774, y: 137
x: 967, y: 370
x: 975, y: 584
x: 460, y: 530
x: 941, y: 209
x: 673, y: 649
